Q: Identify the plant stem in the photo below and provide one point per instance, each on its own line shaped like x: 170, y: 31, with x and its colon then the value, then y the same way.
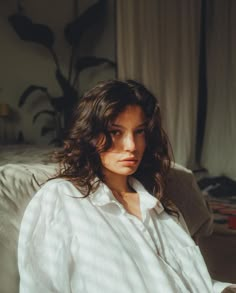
x: 72, y: 56
x: 73, y: 49
x: 55, y: 58
x: 75, y: 78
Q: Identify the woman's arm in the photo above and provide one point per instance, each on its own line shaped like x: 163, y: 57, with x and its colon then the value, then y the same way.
x: 43, y: 257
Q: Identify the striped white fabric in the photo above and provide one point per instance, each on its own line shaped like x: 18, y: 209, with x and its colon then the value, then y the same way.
x: 92, y: 245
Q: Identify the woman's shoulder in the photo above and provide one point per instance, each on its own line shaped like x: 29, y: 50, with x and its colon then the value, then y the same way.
x: 53, y: 194
x: 52, y: 199
x: 60, y: 186
x: 56, y: 182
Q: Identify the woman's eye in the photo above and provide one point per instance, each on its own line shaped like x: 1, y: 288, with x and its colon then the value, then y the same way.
x: 140, y: 131
x: 115, y: 132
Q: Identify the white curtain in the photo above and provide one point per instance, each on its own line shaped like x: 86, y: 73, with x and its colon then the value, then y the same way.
x: 158, y: 44
x: 219, y: 149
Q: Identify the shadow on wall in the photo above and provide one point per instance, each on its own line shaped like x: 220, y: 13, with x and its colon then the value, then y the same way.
x: 9, y: 118
x: 74, y: 32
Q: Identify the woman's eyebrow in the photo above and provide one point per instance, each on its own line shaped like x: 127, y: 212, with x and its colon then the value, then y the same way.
x: 120, y: 126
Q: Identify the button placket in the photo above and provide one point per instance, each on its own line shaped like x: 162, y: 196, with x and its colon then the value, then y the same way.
x: 143, y: 229
x: 151, y: 233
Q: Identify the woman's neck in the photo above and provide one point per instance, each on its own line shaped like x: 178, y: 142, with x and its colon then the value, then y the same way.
x: 117, y: 183
x: 124, y: 193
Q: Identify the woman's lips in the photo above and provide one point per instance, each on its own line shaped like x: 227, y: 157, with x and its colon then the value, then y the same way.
x: 129, y: 161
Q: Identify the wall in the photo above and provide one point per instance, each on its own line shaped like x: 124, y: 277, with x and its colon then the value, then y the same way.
x: 25, y: 63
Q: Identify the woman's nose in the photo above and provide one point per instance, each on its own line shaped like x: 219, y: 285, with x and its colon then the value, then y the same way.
x: 129, y: 143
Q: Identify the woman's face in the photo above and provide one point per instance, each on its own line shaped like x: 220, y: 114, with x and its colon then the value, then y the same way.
x: 128, y: 136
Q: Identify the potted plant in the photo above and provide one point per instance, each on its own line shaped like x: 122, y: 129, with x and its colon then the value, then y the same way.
x: 42, y: 34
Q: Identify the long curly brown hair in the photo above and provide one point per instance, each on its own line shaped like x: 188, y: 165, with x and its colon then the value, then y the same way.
x: 80, y: 160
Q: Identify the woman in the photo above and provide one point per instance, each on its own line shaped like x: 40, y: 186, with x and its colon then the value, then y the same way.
x: 104, y: 224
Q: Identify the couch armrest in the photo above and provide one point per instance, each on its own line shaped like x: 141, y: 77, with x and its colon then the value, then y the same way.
x: 183, y: 190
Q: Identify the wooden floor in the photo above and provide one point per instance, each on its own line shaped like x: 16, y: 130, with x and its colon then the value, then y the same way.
x: 219, y: 251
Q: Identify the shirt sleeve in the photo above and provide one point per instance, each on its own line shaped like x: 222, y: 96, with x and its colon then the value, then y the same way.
x: 43, y: 248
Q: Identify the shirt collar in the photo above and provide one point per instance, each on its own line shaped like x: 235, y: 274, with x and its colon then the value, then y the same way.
x: 103, y: 196
x: 147, y: 201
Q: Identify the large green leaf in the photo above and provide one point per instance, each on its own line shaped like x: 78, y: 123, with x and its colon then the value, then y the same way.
x: 74, y: 30
x: 33, y: 32
x: 30, y: 89
x: 91, y: 61
x: 48, y: 112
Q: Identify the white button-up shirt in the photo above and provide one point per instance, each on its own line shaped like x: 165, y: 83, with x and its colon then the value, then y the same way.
x: 92, y: 245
